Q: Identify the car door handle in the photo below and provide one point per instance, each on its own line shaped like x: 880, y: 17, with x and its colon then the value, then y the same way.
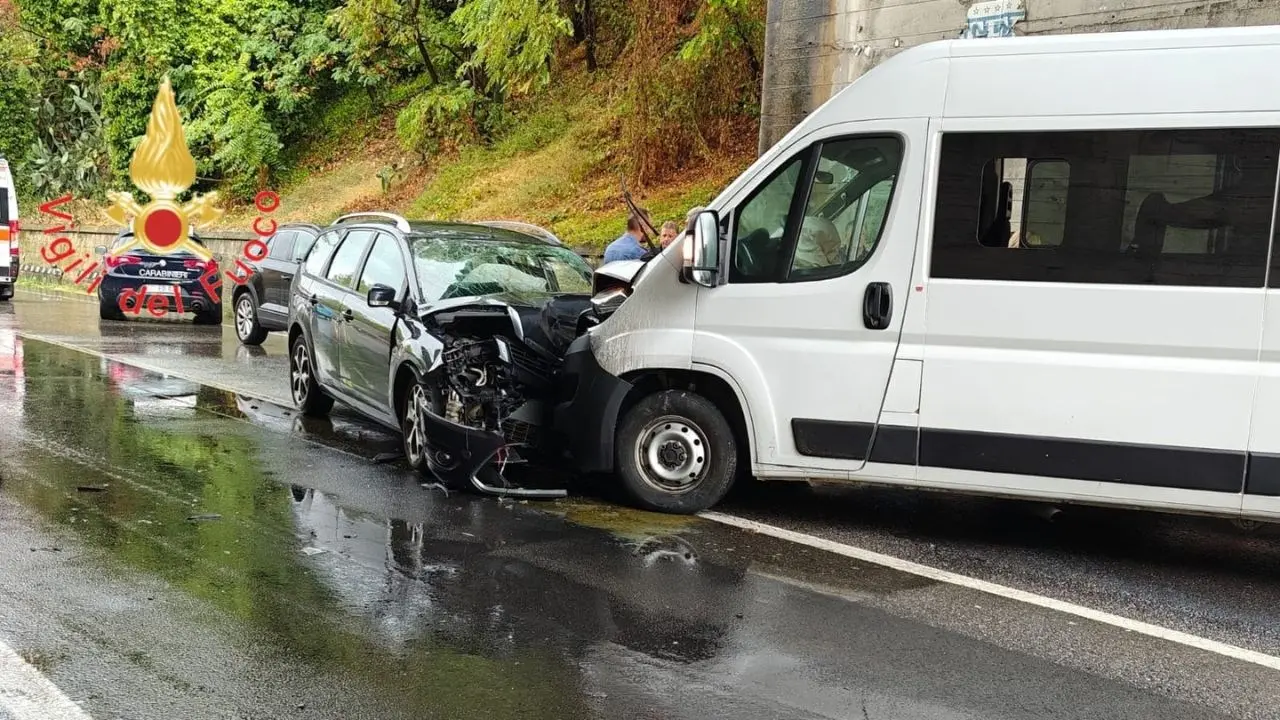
x: 287, y: 276
x: 877, y: 306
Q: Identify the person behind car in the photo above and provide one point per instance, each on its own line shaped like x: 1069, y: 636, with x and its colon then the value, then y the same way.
x: 627, y: 247
x: 669, y: 232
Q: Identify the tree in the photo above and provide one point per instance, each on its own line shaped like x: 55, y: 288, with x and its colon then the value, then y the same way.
x: 513, y: 41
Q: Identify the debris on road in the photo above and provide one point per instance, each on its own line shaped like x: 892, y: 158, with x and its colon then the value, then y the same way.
x: 91, y: 488
x: 207, y: 516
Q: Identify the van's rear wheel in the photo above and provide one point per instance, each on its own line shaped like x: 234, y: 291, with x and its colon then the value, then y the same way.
x: 676, y: 453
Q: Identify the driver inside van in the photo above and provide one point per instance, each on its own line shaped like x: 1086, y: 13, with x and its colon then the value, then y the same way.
x: 819, y: 245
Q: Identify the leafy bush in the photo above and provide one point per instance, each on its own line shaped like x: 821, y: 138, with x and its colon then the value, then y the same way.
x: 68, y: 154
x: 445, y: 114
x: 513, y: 41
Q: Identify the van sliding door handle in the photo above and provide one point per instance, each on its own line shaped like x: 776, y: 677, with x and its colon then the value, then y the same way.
x: 877, y: 306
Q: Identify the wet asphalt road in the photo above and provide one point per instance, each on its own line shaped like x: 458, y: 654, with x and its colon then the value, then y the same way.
x: 175, y: 549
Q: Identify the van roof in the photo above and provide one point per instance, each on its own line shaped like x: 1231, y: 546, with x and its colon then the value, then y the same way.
x: 1108, y: 73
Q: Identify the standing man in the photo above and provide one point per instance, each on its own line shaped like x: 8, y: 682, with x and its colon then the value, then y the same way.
x: 627, y: 247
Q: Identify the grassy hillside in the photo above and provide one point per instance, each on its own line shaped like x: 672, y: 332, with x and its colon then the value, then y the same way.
x: 558, y: 164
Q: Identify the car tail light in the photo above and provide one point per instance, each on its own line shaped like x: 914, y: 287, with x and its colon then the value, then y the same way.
x: 113, y: 261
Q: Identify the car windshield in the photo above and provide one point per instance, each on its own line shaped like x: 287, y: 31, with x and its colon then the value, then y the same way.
x: 451, y: 267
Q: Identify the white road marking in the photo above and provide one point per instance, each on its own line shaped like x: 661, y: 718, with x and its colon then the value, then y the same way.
x: 857, y: 553
x: 26, y: 694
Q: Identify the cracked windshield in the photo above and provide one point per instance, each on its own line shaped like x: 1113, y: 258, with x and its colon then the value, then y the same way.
x: 639, y: 359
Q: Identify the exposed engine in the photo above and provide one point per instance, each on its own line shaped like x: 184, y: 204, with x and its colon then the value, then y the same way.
x: 498, y: 373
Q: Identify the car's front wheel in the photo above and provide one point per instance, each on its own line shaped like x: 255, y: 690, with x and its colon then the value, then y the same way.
x: 676, y: 453
x: 309, y: 398
x: 419, y: 398
x: 248, y: 329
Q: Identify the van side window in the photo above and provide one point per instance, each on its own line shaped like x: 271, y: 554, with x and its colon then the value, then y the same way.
x: 847, y: 206
x: 1023, y: 202
x: 759, y: 226
x: 1146, y: 207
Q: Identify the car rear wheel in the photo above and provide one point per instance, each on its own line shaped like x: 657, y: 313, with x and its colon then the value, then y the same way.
x: 212, y: 316
x: 109, y: 310
x: 248, y: 329
x: 6, y: 292
x: 676, y: 453
x: 307, y: 394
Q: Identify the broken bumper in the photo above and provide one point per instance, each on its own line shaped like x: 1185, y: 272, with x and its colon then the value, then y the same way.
x: 587, y: 417
x: 457, y: 453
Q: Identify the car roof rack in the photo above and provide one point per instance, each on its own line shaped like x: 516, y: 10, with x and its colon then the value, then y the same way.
x: 401, y: 224
x: 524, y: 228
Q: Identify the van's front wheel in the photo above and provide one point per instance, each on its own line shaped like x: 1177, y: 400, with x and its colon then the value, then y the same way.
x: 676, y: 453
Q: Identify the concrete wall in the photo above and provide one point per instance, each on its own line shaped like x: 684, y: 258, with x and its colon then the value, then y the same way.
x: 813, y: 48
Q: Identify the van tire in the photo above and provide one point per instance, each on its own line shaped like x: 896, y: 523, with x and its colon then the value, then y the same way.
x: 666, y: 439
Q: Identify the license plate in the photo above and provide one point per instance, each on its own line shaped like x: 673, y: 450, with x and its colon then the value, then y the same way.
x: 161, y: 289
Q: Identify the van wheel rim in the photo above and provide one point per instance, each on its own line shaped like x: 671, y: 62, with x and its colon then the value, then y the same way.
x: 244, y: 316
x: 414, y: 441
x: 672, y: 454
x: 300, y: 374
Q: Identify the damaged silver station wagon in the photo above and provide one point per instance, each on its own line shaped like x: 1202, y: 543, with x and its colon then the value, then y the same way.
x: 452, y: 333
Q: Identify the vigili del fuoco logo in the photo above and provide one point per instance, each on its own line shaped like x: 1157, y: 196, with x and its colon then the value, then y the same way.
x: 163, y: 168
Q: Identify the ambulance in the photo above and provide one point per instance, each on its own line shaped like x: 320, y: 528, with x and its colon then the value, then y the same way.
x: 9, y: 259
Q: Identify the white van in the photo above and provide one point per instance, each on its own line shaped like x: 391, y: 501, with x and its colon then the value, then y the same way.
x: 9, y: 259
x: 1038, y: 267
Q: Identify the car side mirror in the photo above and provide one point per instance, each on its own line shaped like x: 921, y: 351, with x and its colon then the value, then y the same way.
x: 382, y: 296
x: 702, y: 250
x: 100, y: 250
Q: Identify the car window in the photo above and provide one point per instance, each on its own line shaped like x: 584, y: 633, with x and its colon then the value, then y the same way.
x: 302, y: 241
x: 346, y: 261
x: 318, y: 257
x: 385, y: 265
x: 448, y: 267
x: 281, y: 245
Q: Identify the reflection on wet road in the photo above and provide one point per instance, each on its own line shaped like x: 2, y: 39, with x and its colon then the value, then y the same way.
x: 177, y: 550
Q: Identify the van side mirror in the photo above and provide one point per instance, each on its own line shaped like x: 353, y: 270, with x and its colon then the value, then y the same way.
x: 382, y: 296
x: 702, y: 250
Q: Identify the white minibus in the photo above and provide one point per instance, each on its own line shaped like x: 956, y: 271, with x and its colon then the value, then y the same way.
x: 1036, y: 267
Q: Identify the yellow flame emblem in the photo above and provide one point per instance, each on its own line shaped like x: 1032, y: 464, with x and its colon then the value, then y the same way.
x: 163, y: 168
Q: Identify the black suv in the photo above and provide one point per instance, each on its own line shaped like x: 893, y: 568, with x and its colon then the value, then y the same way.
x: 438, y: 330
x: 262, y: 304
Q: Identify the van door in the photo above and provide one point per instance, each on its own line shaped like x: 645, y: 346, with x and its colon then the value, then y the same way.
x: 1261, y: 495
x: 808, y: 321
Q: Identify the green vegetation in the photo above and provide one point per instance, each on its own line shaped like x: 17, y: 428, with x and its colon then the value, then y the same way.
x: 464, y: 109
